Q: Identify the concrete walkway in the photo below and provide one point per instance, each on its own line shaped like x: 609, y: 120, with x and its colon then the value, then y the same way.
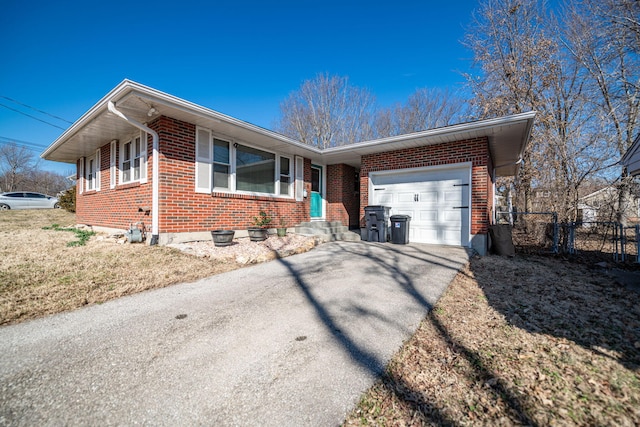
x: 290, y: 342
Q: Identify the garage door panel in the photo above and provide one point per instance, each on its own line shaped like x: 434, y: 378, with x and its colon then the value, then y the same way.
x: 451, y: 237
x: 405, y: 197
x: 432, y: 199
x: 407, y: 211
x: 385, y: 199
x: 427, y: 215
x: 428, y: 196
x: 423, y: 235
x: 452, y: 215
x: 452, y: 196
x: 418, y: 215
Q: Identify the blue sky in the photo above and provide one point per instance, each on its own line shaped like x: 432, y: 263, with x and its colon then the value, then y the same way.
x: 241, y: 58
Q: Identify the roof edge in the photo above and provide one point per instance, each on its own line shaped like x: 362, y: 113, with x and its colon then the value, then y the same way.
x: 461, y: 127
x: 635, y: 146
x: 88, y: 116
x: 129, y: 87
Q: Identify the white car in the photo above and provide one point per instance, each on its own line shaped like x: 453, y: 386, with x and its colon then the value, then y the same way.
x: 25, y: 200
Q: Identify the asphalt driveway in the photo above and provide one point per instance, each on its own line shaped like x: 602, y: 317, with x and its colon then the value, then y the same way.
x: 290, y: 342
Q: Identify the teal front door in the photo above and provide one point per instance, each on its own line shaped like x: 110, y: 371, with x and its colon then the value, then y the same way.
x: 316, y: 192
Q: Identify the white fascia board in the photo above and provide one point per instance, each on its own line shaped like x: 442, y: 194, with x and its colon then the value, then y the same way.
x: 442, y: 131
x: 86, y: 118
x: 530, y: 116
x: 171, y: 101
x: 130, y: 88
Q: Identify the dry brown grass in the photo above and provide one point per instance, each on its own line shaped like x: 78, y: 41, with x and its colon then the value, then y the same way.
x: 40, y: 274
x: 524, y: 341
x: 530, y: 340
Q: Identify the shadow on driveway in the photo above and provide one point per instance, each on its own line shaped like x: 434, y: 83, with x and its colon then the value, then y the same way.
x: 424, y: 278
x: 290, y: 342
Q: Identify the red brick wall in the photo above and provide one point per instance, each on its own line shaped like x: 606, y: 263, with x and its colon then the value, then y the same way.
x: 475, y: 151
x: 115, y: 208
x: 342, y: 198
x: 184, y: 210
x: 181, y: 208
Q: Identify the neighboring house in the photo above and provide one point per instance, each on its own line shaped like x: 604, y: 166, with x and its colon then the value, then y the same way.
x: 543, y: 199
x: 631, y: 159
x: 602, y: 206
x: 142, y: 154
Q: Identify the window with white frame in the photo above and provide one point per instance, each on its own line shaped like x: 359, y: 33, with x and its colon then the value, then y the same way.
x: 221, y: 164
x: 285, y: 176
x: 299, y: 179
x: 204, y: 159
x: 255, y: 170
x: 92, y: 172
x: 133, y: 159
x: 226, y: 166
x: 112, y: 164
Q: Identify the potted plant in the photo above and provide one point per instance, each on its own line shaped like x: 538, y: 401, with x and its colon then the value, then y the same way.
x: 258, y: 232
x: 222, y: 237
x: 282, y: 230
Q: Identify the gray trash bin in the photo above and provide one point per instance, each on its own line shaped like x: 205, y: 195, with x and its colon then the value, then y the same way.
x: 400, y: 229
x: 377, y: 219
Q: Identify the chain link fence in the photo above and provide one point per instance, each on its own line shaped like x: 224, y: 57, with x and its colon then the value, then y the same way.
x: 532, y: 232
x: 540, y: 232
x: 611, y: 238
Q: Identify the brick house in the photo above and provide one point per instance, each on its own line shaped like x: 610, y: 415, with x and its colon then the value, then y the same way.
x: 144, y: 155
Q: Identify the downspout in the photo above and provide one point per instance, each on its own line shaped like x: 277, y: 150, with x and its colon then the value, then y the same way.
x: 155, y: 193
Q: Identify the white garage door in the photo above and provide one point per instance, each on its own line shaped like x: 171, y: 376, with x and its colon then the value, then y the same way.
x: 437, y: 201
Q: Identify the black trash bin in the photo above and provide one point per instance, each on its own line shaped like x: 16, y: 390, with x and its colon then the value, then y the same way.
x: 400, y: 229
x: 377, y: 219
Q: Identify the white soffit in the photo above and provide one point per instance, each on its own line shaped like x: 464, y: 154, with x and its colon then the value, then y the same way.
x: 507, y: 135
x: 99, y: 126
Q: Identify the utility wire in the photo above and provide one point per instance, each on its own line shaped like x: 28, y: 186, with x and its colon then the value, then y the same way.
x: 31, y: 146
x: 6, y: 140
x: 33, y: 117
x: 35, y: 109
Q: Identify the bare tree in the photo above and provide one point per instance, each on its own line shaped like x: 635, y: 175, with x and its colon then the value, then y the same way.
x: 425, y: 109
x: 327, y: 112
x: 580, y: 71
x: 513, y: 51
x: 604, y: 38
x: 19, y: 170
x: 47, y: 182
x: 573, y: 150
x: 16, y: 163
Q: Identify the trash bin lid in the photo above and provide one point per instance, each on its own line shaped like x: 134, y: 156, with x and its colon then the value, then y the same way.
x: 400, y: 217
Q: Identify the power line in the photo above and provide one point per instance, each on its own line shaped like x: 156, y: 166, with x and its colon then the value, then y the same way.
x: 22, y: 142
x: 31, y: 146
x: 35, y: 109
x: 33, y: 117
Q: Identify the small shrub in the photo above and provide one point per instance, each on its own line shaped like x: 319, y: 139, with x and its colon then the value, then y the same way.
x: 262, y: 220
x: 67, y: 200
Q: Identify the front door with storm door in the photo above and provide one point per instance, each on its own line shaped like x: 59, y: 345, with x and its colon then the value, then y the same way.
x: 316, y: 192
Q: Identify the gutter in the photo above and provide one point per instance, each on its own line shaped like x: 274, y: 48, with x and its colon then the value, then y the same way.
x: 451, y: 129
x: 155, y: 193
x: 517, y: 162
